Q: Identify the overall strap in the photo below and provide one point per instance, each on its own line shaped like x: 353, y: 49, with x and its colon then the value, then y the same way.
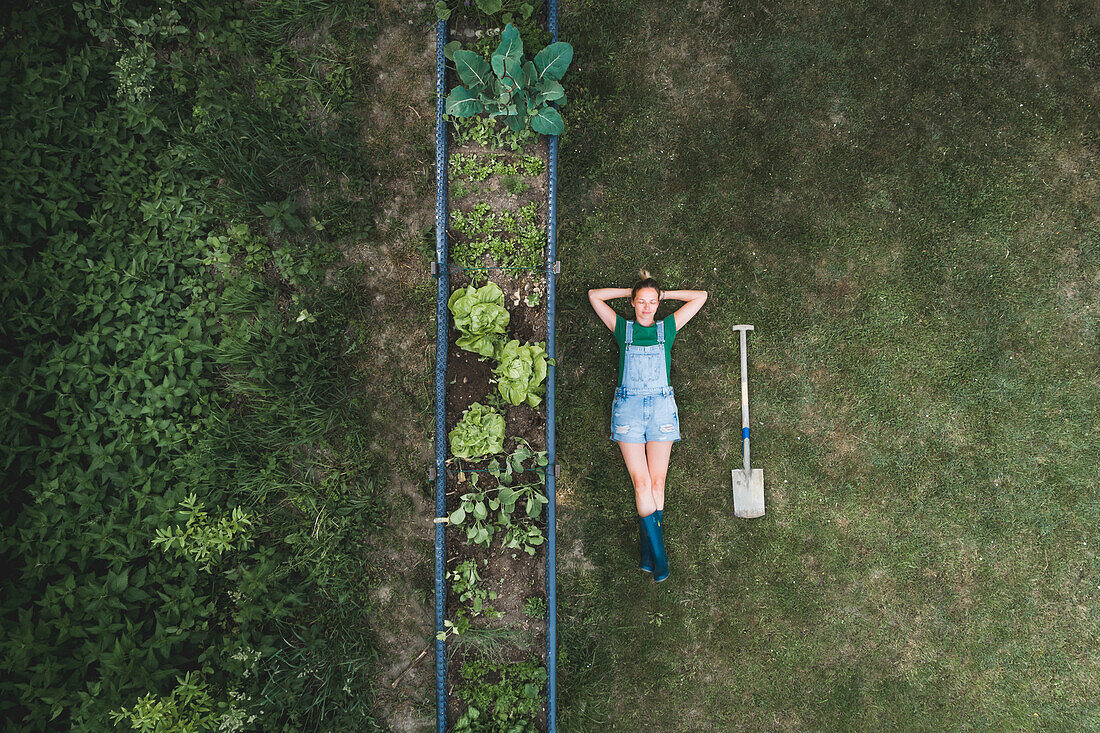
x: 629, y: 332
x: 661, y: 333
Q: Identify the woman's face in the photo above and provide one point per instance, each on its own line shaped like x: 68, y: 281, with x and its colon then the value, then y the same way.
x: 645, y: 305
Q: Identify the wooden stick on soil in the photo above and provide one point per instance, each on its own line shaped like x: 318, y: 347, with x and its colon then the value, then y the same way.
x: 393, y: 685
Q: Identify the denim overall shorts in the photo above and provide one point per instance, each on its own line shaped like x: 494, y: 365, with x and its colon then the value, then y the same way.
x: 644, y: 408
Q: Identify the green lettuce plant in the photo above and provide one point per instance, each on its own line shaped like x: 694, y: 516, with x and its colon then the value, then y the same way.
x: 508, y: 86
x: 521, y: 372
x: 480, y: 432
x: 480, y: 316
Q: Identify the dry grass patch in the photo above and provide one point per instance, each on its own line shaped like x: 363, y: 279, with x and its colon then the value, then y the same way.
x: 394, y: 356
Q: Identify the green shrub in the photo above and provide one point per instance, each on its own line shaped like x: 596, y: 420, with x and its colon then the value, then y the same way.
x: 107, y: 347
x: 187, y: 709
x: 143, y: 383
x: 203, y: 541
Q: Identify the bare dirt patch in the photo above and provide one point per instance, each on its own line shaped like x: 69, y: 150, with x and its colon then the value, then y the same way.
x: 394, y: 358
x: 403, y: 612
x: 399, y: 130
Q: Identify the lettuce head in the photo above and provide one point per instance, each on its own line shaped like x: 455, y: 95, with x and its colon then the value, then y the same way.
x: 480, y: 316
x: 480, y: 432
x: 521, y: 372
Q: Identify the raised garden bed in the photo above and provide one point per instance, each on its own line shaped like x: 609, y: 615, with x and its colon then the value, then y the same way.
x: 497, y: 467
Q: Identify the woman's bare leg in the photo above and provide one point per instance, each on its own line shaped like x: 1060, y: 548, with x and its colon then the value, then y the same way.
x: 657, y: 454
x: 635, y: 456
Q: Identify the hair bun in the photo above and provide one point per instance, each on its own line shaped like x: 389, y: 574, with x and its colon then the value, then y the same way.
x: 644, y: 274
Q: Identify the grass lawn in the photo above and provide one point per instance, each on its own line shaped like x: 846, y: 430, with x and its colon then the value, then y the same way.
x: 903, y: 198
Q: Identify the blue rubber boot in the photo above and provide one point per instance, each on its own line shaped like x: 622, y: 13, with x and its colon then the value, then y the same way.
x: 646, y: 562
x: 661, y: 525
x: 656, y: 541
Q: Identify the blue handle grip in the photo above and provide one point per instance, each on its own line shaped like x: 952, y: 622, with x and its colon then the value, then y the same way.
x: 744, y: 433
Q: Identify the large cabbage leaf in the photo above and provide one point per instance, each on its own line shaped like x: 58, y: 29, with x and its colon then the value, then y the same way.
x: 480, y: 432
x: 480, y: 316
x: 524, y: 93
x: 521, y: 372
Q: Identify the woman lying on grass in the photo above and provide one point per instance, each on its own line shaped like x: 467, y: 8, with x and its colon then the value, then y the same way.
x: 644, y: 421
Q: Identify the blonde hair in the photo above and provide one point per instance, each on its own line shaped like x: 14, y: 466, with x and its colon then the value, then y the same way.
x: 645, y: 281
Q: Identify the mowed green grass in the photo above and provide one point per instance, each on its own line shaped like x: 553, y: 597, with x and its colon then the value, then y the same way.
x: 905, y: 201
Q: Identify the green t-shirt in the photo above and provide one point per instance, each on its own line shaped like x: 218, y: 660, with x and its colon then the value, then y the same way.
x: 645, y: 336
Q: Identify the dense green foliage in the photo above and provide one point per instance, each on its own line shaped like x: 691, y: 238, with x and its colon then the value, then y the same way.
x: 501, y: 697
x: 162, y: 384
x: 108, y: 345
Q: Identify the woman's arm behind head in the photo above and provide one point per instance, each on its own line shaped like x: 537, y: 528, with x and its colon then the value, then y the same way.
x: 694, y: 301
x: 598, y: 297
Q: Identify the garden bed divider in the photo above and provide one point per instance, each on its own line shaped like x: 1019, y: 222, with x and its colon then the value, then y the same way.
x: 443, y: 323
x: 441, y: 270
x: 552, y: 267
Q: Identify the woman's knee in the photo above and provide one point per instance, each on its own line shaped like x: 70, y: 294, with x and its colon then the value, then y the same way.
x: 657, y: 484
x: 642, y: 483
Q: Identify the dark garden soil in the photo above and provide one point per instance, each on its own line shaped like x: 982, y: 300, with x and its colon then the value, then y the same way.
x: 513, y: 574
